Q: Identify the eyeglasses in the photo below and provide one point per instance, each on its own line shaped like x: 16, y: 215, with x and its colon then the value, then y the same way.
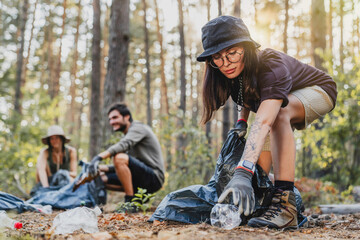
x: 233, y: 57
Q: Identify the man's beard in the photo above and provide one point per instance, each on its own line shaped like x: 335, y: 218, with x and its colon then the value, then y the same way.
x: 121, y: 128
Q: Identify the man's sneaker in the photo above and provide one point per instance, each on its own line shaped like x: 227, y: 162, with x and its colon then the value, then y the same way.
x: 128, y: 198
x: 281, y: 214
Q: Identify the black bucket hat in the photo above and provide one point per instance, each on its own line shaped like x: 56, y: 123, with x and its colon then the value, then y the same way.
x: 222, y: 32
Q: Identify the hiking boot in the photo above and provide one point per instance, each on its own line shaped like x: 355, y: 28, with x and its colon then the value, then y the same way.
x: 281, y: 214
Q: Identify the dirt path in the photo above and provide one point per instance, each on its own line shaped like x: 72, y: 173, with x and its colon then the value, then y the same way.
x: 135, y: 226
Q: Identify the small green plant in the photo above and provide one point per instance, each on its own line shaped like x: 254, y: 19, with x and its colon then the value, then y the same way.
x: 143, y: 200
x: 124, y: 207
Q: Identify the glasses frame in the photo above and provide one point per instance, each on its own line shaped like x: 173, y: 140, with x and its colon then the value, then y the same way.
x: 212, y: 63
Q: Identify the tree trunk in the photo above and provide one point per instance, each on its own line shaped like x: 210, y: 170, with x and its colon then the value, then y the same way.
x: 79, y: 124
x: 286, y: 21
x: 208, y: 124
x: 226, y: 120
x: 104, y: 54
x: 226, y: 108
x: 180, y: 141
x: 208, y: 9
x: 255, y: 12
x: 318, y: 31
x: 192, y: 103
x: 355, y: 30
x: 56, y: 78
x: 95, y: 117
x: 73, y: 74
x: 58, y: 63
x: 182, y: 106
x: 147, y: 66
x: 83, y: 94
x: 237, y: 8
x: 341, y: 47
x: 340, y: 208
x: 237, y: 13
x: 330, y: 28
x: 26, y: 61
x: 20, y: 57
x: 119, y: 34
x: 163, y: 88
x: 198, y: 75
x: 219, y: 8
x: 50, y: 53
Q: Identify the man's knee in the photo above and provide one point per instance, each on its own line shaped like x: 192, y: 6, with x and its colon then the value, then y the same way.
x: 121, y: 159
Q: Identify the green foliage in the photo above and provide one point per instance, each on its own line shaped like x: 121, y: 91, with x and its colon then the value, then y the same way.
x: 334, y: 141
x: 124, y: 207
x: 20, y: 142
x: 316, y: 192
x: 19, y: 150
x: 347, y: 194
x: 143, y: 200
x: 195, y: 165
x: 16, y: 237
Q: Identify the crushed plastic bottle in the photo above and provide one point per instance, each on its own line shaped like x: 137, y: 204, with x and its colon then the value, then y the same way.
x: 6, y: 222
x: 225, y: 216
x: 44, y: 209
x: 78, y: 218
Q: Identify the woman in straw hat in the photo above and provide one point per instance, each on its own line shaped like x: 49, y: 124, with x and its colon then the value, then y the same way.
x: 283, y: 92
x: 56, y: 156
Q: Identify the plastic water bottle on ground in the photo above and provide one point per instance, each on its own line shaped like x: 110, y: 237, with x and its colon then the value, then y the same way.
x: 44, y: 209
x: 6, y: 222
x: 225, y: 216
x: 78, y: 218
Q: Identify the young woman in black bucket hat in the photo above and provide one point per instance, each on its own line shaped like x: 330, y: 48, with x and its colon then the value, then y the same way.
x: 284, y: 93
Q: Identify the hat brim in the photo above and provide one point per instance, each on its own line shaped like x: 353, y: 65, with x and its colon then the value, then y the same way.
x: 44, y: 140
x: 217, y: 48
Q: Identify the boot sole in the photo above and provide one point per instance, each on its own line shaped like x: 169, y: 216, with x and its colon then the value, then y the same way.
x: 260, y: 224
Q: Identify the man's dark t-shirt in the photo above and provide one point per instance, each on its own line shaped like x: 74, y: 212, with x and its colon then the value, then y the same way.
x: 279, y: 74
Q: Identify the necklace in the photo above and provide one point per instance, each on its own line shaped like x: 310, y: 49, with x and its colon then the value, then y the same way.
x: 240, y: 101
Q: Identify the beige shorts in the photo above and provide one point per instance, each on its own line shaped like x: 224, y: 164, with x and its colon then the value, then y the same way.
x: 316, y: 104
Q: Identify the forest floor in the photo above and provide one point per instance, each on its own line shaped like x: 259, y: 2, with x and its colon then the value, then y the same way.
x: 135, y: 226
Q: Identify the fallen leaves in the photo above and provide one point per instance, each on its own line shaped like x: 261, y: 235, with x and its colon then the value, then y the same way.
x: 158, y: 223
x: 101, y: 236
x: 136, y: 226
x: 118, y: 217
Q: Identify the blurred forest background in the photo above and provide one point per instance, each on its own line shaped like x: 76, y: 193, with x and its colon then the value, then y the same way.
x: 64, y: 61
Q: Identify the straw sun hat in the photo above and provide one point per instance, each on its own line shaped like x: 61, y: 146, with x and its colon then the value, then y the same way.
x: 52, y: 131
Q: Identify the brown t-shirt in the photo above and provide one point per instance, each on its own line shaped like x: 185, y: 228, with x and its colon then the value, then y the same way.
x: 279, y: 74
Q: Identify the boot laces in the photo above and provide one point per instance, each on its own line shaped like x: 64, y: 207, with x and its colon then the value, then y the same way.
x: 276, y: 205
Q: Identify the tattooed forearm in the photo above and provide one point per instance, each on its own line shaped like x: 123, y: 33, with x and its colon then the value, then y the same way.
x: 255, y: 141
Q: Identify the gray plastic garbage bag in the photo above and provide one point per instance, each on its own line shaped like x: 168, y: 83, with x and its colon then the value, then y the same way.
x: 88, y: 194
x: 189, y: 205
x: 10, y: 202
x: 59, y: 179
x: 60, y: 196
x: 193, y: 204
